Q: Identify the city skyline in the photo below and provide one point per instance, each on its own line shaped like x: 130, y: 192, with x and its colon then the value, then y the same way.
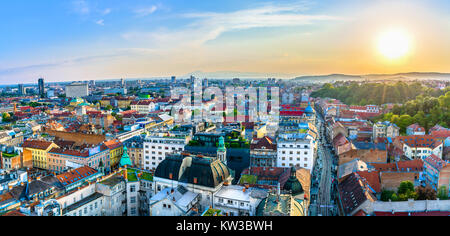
x: 98, y: 40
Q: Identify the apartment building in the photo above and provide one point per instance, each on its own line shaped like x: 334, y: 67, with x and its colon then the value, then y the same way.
x: 296, y: 151
x: 158, y: 146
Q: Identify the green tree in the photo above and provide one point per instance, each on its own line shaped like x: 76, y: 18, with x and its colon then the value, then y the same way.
x: 405, y: 186
x: 443, y: 193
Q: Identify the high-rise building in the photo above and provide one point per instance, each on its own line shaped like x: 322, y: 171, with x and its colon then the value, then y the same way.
x: 77, y: 90
x: 174, y: 79
x: 22, y: 90
x: 41, y: 87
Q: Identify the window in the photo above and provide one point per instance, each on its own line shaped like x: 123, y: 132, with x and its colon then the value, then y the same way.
x: 133, y: 200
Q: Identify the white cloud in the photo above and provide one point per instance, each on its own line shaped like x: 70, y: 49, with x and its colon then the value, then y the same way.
x: 141, y: 12
x: 81, y: 7
x: 100, y: 22
x: 106, y: 11
x: 207, y: 26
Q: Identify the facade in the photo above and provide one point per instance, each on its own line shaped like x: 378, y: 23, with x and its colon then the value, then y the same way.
x: 143, y: 106
x: 115, y: 152
x: 38, y: 150
x: 157, y: 147
x: 436, y: 172
x: 385, y: 130
x: 296, y: 152
x: 239, y: 200
x: 202, y: 175
x: 174, y: 202
x: 263, y: 153
x: 77, y: 90
x: 98, y: 158
x: 419, y: 146
x: 41, y: 87
x: 135, y: 147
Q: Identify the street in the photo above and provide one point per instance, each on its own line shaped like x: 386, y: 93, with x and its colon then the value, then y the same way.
x: 325, y: 173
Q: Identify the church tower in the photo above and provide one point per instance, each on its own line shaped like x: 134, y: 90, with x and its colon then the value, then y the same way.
x: 222, y: 151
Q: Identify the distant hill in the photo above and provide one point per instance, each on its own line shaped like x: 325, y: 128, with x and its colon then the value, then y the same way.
x: 398, y: 76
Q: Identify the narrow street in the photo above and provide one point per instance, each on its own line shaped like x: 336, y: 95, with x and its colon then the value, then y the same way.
x: 324, y: 205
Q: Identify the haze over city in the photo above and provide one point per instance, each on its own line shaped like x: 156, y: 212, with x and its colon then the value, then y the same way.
x: 95, y: 39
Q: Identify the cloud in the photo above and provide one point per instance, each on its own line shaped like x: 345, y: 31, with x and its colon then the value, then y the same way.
x: 207, y: 26
x: 141, y: 12
x: 81, y: 7
x: 100, y: 22
x: 106, y: 11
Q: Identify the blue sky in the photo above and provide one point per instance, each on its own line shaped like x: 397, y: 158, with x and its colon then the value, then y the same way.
x: 100, y: 39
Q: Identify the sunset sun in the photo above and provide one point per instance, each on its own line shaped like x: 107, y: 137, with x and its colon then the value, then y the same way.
x: 394, y: 44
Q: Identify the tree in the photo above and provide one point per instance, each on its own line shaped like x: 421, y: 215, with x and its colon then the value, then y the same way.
x: 425, y: 193
x: 386, y: 195
x: 443, y: 193
x: 405, y: 186
x: 6, y: 117
x: 109, y: 107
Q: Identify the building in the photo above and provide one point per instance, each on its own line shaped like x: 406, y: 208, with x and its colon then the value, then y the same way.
x: 139, y: 190
x: 202, y: 175
x: 135, y: 147
x: 143, y: 106
x: 418, y: 146
x: 77, y: 90
x: 22, y: 90
x: 366, y: 152
x: 385, y: 130
x: 393, y: 174
x: 41, y: 87
x: 78, y: 177
x: 263, y: 152
x: 415, y: 129
x: 239, y: 200
x: 174, y: 202
x: 436, y: 172
x: 354, y: 195
x: 115, y: 152
x: 38, y: 150
x: 158, y: 146
x: 96, y: 157
x: 296, y: 151
x: 13, y: 160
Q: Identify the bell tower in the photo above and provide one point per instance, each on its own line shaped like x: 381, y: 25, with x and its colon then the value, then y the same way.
x: 222, y: 151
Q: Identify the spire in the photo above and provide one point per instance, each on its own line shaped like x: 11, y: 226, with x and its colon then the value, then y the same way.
x: 125, y: 161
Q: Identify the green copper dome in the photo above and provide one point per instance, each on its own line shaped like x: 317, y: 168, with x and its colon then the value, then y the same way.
x: 222, y: 145
x: 292, y: 184
x: 125, y: 161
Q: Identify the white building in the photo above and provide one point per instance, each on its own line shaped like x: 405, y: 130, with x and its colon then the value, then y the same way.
x: 238, y: 200
x: 158, y: 146
x: 296, y: 151
x: 173, y: 202
x: 77, y: 90
x: 420, y: 146
x: 103, y: 198
x: 143, y: 106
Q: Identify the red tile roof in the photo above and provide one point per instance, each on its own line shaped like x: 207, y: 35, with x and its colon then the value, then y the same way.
x: 75, y: 175
x: 442, y: 134
x: 37, y: 144
x: 113, y: 144
x: 372, y: 178
x: 423, y: 141
x: 436, y: 162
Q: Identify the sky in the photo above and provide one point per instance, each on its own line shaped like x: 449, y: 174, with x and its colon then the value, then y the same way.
x: 67, y: 40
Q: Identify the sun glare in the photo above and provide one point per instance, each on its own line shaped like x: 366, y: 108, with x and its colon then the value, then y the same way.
x: 394, y: 44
